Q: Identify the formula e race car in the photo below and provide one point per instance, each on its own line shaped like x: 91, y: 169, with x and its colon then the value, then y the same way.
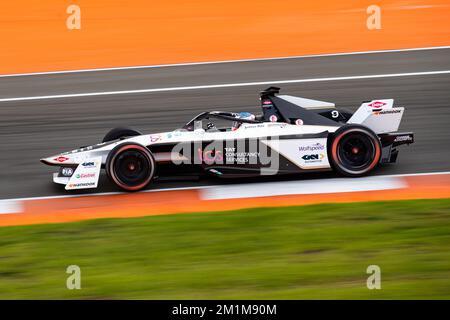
x: 291, y: 135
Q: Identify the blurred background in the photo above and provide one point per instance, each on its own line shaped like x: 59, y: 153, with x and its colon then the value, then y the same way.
x: 115, y: 33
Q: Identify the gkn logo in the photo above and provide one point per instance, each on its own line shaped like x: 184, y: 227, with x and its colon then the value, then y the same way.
x: 310, y: 157
x: 313, y: 157
x: 88, y: 164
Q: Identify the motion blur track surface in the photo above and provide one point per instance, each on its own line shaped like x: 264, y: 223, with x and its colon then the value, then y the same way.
x: 32, y: 129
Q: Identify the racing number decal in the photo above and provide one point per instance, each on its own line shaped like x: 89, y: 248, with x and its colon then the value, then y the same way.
x: 335, y: 114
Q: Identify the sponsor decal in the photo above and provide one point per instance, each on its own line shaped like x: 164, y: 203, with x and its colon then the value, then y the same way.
x: 313, y: 157
x: 312, y: 147
x: 67, y: 172
x: 88, y: 164
x: 229, y: 155
x: 85, y: 175
x: 61, y: 159
x: 403, y: 138
x: 235, y: 156
x: 81, y: 184
x: 173, y: 134
x: 154, y: 138
x: 299, y: 122
x: 277, y: 124
x: 210, y: 156
x: 273, y: 118
x: 391, y: 111
x: 377, y: 104
x: 82, y: 149
x: 253, y: 126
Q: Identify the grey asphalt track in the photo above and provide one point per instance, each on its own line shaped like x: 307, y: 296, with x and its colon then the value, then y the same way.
x: 32, y: 129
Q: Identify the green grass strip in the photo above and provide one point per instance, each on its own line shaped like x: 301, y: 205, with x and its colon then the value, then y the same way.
x: 308, y: 252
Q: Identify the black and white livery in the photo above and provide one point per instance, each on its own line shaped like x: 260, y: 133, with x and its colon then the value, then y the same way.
x: 291, y: 135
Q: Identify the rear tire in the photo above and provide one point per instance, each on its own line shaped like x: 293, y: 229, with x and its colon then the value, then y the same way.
x: 355, y: 150
x: 118, y: 133
x: 130, y: 166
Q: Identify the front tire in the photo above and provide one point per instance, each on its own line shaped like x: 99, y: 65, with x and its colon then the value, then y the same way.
x: 355, y: 150
x: 130, y: 166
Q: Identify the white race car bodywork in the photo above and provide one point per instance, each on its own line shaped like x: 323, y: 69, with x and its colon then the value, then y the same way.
x: 292, y: 149
x: 303, y: 134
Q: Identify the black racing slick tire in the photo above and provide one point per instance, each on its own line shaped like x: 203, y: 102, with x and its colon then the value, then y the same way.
x: 354, y: 150
x: 130, y: 166
x: 118, y: 133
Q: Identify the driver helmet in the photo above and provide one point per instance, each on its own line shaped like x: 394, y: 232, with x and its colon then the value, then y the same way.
x: 242, y: 115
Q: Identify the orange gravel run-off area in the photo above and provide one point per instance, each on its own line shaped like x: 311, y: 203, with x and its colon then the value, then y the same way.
x: 58, y: 210
x: 34, y: 36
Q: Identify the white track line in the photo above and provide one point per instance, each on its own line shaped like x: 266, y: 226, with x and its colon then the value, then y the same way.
x: 324, y: 181
x: 10, y: 206
x: 224, y: 61
x: 226, y: 85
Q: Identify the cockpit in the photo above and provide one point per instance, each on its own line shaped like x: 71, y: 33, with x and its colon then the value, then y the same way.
x: 219, y: 121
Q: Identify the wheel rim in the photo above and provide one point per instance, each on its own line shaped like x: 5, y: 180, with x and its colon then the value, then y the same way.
x: 356, y: 151
x: 132, y: 168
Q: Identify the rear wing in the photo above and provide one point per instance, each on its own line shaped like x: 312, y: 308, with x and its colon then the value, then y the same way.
x: 379, y: 115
